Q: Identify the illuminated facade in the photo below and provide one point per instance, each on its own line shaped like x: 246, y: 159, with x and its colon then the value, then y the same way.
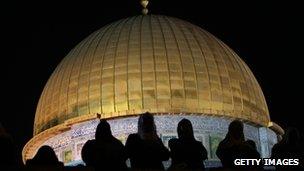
x: 153, y: 63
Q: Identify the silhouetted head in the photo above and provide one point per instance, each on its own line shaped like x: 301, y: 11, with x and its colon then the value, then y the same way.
x: 236, y: 130
x: 291, y: 135
x: 185, y: 130
x: 103, y: 131
x: 146, y: 124
x: 45, y: 156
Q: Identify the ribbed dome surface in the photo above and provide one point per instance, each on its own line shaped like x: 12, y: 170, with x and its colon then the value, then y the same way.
x: 150, y: 63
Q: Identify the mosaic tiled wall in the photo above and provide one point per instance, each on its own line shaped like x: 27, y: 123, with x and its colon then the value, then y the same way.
x: 208, y: 130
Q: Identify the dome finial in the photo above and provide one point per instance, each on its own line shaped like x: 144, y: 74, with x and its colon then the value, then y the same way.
x: 144, y: 4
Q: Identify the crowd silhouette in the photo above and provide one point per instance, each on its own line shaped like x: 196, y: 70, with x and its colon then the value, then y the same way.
x: 146, y: 151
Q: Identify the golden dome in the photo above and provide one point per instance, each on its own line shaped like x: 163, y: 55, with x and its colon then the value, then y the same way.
x: 150, y: 63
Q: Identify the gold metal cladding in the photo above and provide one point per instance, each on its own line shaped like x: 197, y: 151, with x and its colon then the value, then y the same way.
x: 150, y: 63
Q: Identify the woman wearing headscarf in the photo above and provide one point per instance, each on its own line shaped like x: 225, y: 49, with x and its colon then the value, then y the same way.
x: 105, y: 152
x: 145, y: 149
x: 186, y: 152
x: 234, y: 146
x: 45, y: 157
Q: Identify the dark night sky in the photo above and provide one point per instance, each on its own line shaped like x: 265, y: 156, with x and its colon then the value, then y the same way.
x: 35, y: 37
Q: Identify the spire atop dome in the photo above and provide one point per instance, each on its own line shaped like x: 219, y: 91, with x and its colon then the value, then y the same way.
x: 144, y: 4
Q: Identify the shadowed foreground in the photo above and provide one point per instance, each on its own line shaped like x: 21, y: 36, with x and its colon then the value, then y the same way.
x: 92, y: 169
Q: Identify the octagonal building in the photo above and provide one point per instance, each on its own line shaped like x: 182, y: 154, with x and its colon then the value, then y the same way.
x: 163, y: 65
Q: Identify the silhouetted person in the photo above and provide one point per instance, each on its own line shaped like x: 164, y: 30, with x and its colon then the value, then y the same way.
x: 145, y: 149
x: 105, y: 152
x: 186, y: 152
x: 289, y: 148
x: 233, y: 146
x: 252, y: 150
x: 7, y: 150
x: 45, y: 157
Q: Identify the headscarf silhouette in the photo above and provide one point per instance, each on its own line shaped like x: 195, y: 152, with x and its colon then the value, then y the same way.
x: 185, y: 130
x: 45, y: 156
x: 146, y: 126
x: 186, y: 152
x: 103, y: 131
x: 105, y: 152
x: 233, y: 145
x: 235, y: 132
x: 144, y: 148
